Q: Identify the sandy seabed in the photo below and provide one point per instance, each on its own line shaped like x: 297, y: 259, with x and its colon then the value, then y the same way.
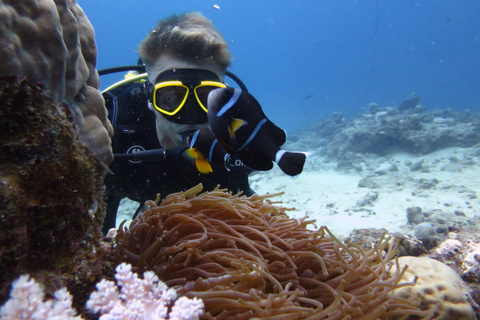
x: 378, y: 193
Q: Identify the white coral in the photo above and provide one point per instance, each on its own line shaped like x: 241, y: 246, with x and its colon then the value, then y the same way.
x: 140, y: 299
x: 27, y: 302
x: 186, y: 309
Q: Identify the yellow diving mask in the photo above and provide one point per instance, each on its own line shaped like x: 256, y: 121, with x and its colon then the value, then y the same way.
x: 172, y: 89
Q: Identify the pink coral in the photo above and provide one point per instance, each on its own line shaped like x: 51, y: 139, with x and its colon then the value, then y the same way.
x: 27, y: 302
x: 186, y: 309
x: 138, y: 299
x: 147, y: 298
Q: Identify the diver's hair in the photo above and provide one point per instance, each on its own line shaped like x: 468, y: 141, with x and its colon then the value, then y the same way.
x: 189, y: 36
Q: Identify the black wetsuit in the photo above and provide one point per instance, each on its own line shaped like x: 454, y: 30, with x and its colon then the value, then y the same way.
x: 134, y: 127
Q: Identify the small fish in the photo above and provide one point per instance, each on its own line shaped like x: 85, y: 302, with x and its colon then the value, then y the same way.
x: 237, y: 120
x: 205, y: 149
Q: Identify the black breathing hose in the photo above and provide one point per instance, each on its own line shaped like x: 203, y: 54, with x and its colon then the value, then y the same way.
x: 153, y: 154
x: 141, y: 68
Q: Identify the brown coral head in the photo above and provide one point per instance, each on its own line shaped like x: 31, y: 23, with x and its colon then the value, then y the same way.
x: 247, y: 259
x: 51, y: 192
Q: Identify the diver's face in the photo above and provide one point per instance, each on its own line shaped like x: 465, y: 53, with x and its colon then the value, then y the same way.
x: 171, y: 134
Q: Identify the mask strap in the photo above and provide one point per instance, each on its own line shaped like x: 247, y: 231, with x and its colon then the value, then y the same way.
x: 149, y: 90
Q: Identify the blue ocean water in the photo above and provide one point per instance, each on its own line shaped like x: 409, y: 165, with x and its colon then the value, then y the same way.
x: 304, y: 60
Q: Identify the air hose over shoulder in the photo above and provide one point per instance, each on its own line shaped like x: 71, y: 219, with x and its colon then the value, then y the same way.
x: 153, y: 155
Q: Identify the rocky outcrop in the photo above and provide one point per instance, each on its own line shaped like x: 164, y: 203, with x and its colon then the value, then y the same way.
x: 407, y: 127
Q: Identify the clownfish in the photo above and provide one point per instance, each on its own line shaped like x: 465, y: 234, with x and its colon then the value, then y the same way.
x: 237, y: 120
x: 205, y: 149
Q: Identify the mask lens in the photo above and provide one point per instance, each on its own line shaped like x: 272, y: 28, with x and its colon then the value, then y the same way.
x: 202, y: 93
x: 170, y: 99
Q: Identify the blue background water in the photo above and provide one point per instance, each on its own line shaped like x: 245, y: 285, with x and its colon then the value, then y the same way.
x: 343, y: 53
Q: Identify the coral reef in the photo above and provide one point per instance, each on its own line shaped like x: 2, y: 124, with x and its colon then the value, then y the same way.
x: 51, y: 192
x: 439, y: 287
x: 245, y: 258
x: 53, y: 42
x: 461, y: 252
x: 456, y: 259
x: 408, y: 127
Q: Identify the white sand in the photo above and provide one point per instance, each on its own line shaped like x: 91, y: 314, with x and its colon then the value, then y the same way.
x: 333, y: 196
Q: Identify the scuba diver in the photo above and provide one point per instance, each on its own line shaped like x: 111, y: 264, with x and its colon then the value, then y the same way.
x: 185, y: 57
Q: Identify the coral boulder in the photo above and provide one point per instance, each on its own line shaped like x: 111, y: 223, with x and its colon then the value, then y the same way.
x: 53, y: 42
x: 51, y: 193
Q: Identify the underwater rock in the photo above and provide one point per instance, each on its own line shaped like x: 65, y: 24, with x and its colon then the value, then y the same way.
x: 416, y: 130
x: 461, y: 251
x: 51, y: 192
x: 366, y: 238
x: 351, y: 161
x: 368, y: 199
x: 53, y: 42
x: 414, y: 215
x: 424, y: 231
x: 471, y: 262
x: 417, y: 165
x: 409, y: 103
x: 449, y: 247
x: 410, y: 246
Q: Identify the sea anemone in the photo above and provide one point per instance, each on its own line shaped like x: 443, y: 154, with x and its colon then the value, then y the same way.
x: 245, y: 258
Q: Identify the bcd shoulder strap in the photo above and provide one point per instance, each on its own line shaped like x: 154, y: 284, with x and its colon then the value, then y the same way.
x: 132, y: 121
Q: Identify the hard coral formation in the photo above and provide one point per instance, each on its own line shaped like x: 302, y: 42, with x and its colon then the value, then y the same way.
x: 451, y: 264
x: 51, y: 193
x: 439, y: 288
x: 53, y: 42
x: 147, y: 298
x: 27, y: 302
x: 461, y: 252
x: 245, y: 258
x: 138, y: 299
